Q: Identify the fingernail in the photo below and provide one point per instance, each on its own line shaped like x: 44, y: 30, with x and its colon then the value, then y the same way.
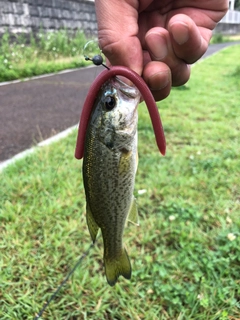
x: 159, y: 81
x: 180, y: 32
x: 157, y: 46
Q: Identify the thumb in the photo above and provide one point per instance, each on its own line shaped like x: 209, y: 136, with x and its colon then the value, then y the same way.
x: 117, y: 33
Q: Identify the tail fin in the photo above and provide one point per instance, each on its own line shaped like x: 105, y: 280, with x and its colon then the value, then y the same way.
x: 120, y: 265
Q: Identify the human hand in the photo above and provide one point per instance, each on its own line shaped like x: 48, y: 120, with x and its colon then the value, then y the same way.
x: 157, y: 38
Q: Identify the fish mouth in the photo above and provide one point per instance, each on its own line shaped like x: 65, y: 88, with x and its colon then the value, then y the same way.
x: 129, y: 94
x: 129, y: 91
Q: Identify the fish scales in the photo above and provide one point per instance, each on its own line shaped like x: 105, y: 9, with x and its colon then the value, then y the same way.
x: 109, y: 167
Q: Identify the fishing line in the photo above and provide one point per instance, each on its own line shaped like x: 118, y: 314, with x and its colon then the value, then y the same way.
x: 89, y: 49
x: 64, y: 282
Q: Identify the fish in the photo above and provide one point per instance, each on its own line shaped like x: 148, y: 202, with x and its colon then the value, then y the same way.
x: 110, y: 162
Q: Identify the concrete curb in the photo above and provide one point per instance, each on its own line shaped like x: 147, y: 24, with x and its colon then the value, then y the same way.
x: 44, y: 75
x: 44, y: 143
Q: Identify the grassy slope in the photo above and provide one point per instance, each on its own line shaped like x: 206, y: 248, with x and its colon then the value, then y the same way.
x: 185, y: 265
x: 49, y: 52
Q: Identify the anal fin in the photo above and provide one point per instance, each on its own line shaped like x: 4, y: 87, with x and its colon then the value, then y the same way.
x: 92, y: 225
x: 133, y: 213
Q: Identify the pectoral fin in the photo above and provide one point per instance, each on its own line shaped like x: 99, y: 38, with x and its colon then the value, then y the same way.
x: 136, y: 162
x: 133, y: 213
x: 92, y: 226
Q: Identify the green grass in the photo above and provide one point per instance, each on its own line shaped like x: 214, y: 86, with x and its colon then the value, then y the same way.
x: 49, y: 52
x: 186, y: 252
x: 220, y: 38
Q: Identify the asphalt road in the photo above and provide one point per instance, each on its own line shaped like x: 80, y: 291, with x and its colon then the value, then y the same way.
x: 34, y: 110
x: 213, y: 48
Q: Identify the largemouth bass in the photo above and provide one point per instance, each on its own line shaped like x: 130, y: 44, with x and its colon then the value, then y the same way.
x: 109, y: 167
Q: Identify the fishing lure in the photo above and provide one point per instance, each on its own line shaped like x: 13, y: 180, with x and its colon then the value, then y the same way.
x: 93, y: 92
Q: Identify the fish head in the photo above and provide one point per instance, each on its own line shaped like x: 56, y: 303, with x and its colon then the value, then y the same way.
x: 119, y: 103
x: 115, y: 113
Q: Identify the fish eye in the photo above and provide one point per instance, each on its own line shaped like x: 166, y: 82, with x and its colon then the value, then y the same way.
x: 110, y: 103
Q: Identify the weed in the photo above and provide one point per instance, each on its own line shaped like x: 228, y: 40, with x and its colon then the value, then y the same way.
x: 218, y: 38
x: 47, y: 52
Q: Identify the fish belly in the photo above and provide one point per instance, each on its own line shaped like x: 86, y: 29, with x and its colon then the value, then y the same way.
x: 109, y: 181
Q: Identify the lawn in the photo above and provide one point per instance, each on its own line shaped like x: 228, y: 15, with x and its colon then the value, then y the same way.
x: 185, y: 254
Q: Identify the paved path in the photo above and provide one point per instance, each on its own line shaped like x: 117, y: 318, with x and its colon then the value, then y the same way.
x: 32, y: 111
x: 213, y: 48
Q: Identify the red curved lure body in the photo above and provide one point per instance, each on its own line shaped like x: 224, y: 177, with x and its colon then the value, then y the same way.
x: 147, y: 97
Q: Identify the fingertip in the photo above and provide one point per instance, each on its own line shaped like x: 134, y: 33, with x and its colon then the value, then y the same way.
x: 181, y: 74
x: 179, y: 27
x: 157, y: 42
x: 180, y: 32
x: 188, y: 39
x: 158, y: 78
x: 161, y: 94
